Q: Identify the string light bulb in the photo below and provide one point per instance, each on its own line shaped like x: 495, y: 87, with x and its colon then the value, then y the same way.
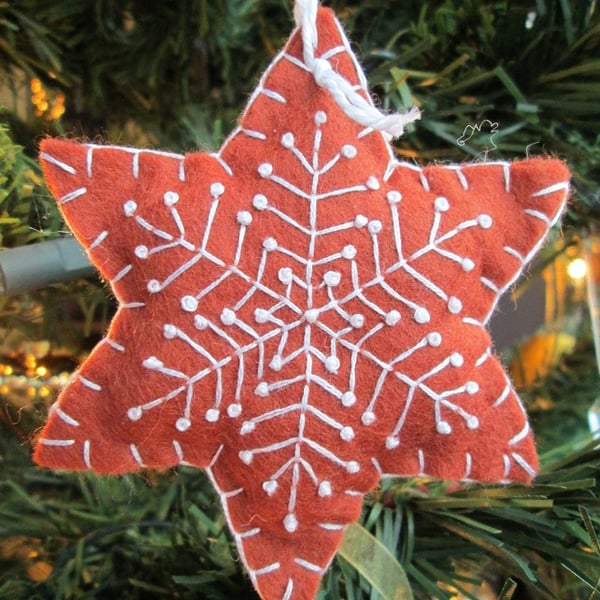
x: 577, y: 269
x: 48, y: 104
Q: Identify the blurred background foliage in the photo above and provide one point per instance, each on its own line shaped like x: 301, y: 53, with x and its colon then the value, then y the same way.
x: 494, y: 79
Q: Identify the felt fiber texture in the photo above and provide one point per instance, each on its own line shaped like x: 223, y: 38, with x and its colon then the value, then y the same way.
x: 299, y: 314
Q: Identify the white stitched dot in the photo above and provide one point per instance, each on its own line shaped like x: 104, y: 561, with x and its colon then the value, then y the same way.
x: 441, y: 204
x: 246, y: 456
x: 375, y: 227
x: 228, y: 316
x: 290, y: 523
x: 421, y: 315
x: 154, y: 286
x: 357, y: 321
x: 135, y: 413
x: 394, y: 197
x: 153, y: 363
x: 234, y: 410
x: 169, y: 331
x: 247, y: 427
x: 262, y: 389
x: 454, y: 305
x: 129, y: 208
x: 392, y: 318
x: 392, y: 442
x: 217, y: 189
x: 212, y: 415
x: 456, y: 359
x: 347, y: 434
x: 261, y: 315
x: 324, y: 489
x: 373, y: 183
x: 348, y: 399
x: 352, y: 467
x: 444, y: 428
x: 260, y: 202
x: 332, y: 364
x: 360, y: 221
x: 141, y: 251
x: 183, y: 424
x: 368, y: 418
x: 485, y: 221
x: 285, y: 275
x: 320, y: 118
x: 276, y: 363
x: 349, y: 251
x: 170, y: 198
x: 349, y: 151
x: 244, y: 218
x: 265, y: 170
x: 467, y: 264
x: 200, y: 322
x: 287, y: 140
x: 312, y: 314
x: 270, y: 487
x: 472, y: 422
x: 434, y: 339
x: 332, y: 278
x: 471, y: 387
x: 270, y: 244
x: 189, y: 303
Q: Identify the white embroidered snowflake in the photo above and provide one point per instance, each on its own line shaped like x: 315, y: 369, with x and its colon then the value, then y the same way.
x: 300, y: 315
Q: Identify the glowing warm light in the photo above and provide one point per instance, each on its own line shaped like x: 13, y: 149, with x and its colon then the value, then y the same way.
x: 58, y: 107
x: 41, y: 371
x: 35, y: 382
x: 577, y: 268
x: 48, y: 104
x: 30, y: 361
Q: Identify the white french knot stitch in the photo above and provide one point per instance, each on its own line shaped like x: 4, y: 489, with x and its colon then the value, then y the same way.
x: 350, y: 101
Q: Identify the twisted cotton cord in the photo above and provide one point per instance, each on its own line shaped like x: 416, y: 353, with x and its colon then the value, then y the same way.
x: 351, y: 102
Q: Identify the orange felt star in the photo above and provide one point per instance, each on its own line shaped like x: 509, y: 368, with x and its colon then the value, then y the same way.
x: 299, y: 315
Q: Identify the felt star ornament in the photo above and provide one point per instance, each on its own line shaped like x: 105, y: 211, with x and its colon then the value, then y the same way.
x: 300, y: 314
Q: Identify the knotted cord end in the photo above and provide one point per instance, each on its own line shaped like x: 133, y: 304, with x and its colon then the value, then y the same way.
x: 351, y: 102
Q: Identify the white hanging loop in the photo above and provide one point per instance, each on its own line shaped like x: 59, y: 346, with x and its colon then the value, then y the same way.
x: 350, y: 101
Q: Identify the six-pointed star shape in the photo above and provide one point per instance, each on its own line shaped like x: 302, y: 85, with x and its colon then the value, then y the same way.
x: 299, y: 314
